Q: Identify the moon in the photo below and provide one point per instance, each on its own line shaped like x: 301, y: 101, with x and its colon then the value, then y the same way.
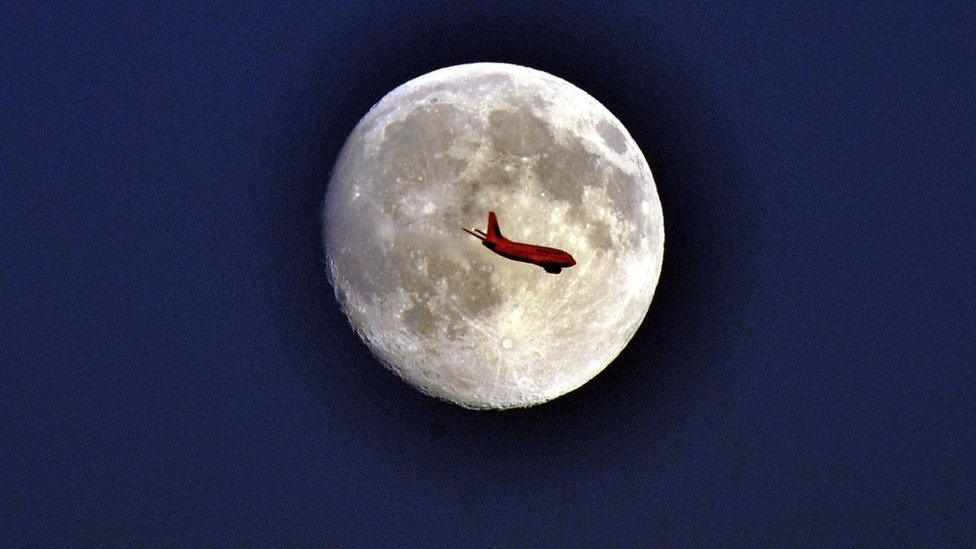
x: 447, y: 315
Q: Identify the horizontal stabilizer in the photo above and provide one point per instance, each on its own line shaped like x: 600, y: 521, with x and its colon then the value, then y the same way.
x: 472, y: 233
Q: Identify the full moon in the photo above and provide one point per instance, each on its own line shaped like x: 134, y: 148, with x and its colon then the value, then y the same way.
x: 436, y: 307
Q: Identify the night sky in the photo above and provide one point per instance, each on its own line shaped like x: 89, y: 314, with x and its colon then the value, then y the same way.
x: 174, y: 367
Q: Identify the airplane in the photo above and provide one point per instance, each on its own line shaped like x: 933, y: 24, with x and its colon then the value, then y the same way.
x: 550, y: 259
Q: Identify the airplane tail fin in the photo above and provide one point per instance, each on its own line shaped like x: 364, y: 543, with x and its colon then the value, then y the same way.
x: 493, y: 231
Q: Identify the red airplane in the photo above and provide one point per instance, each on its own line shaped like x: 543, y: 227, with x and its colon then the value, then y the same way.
x: 550, y: 259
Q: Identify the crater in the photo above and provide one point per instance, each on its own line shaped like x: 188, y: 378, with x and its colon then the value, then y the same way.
x: 478, y: 293
x: 419, y: 319
x: 471, y: 189
x: 490, y: 81
x: 565, y: 170
x: 412, y: 149
x: 519, y: 132
x: 447, y: 294
x: 599, y: 236
x: 623, y: 191
x: 612, y: 137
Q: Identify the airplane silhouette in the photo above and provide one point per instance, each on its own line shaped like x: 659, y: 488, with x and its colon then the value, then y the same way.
x: 550, y: 259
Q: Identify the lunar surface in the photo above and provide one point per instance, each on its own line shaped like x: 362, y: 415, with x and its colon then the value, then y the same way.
x: 446, y: 314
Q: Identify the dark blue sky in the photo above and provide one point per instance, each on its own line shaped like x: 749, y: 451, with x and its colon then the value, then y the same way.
x: 175, y: 368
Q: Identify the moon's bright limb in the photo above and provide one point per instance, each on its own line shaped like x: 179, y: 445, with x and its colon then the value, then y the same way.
x: 450, y: 317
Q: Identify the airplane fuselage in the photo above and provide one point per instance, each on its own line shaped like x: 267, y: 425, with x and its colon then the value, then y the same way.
x: 548, y: 258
